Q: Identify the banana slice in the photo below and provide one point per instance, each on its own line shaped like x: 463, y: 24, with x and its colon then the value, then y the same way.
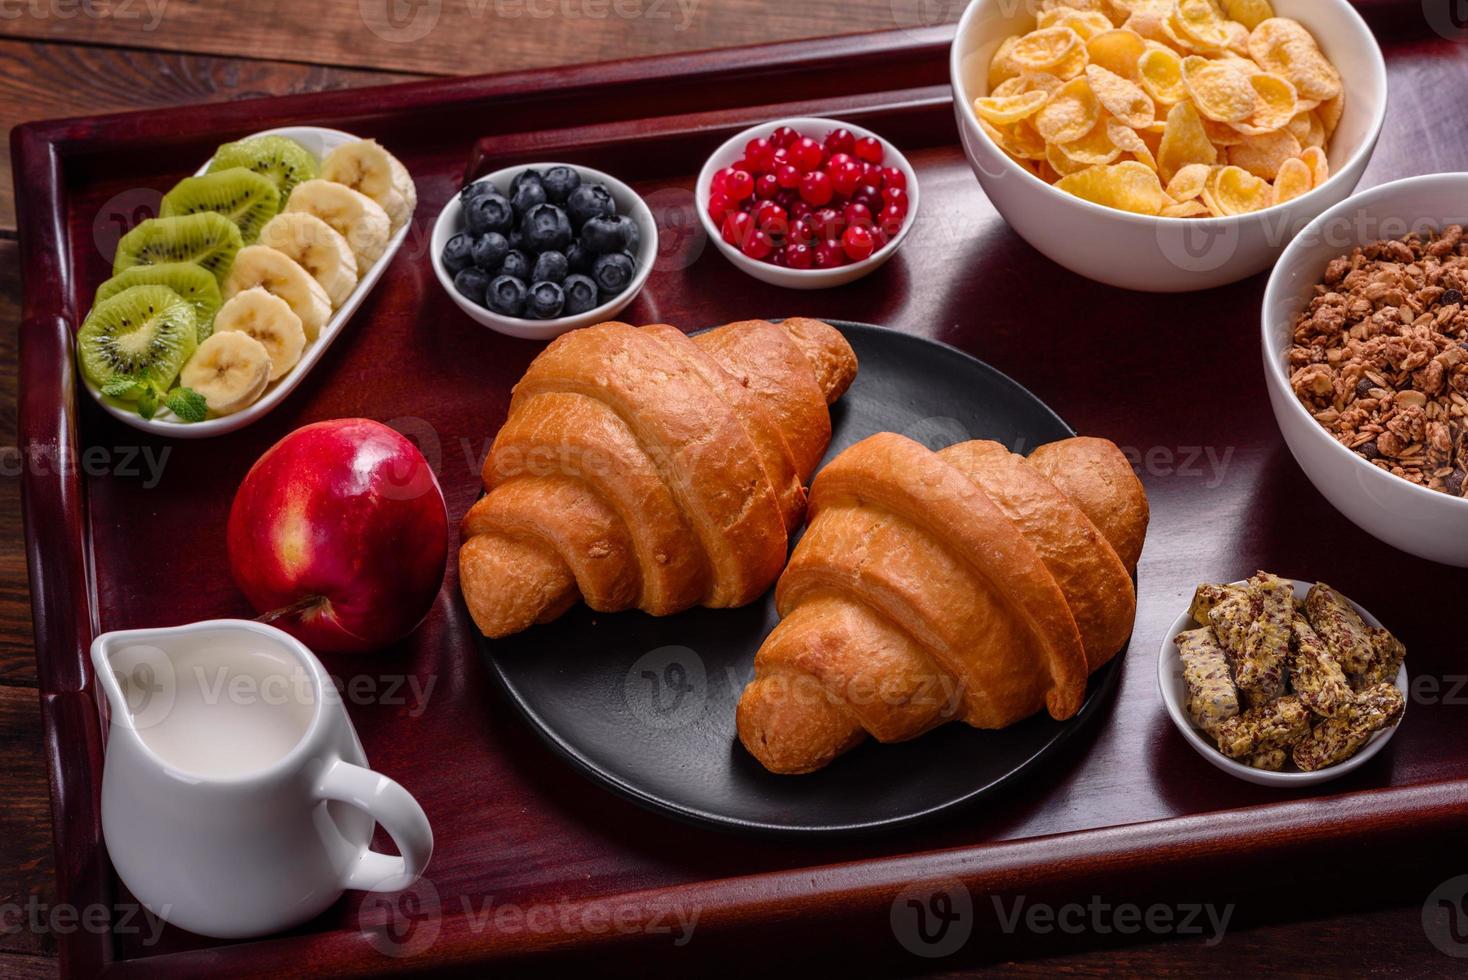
x: 318, y: 248
x: 354, y: 215
x: 261, y: 265
x: 366, y: 167
x: 270, y: 320
x: 230, y: 369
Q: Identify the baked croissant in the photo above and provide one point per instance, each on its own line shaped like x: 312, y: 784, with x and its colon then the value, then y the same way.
x: 968, y: 584
x: 641, y: 468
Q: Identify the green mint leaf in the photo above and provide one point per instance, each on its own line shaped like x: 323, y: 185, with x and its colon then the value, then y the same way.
x: 187, y: 404
x: 148, y: 403
x: 125, y: 388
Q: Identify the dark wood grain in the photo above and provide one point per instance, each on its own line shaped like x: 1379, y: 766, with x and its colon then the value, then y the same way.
x: 45, y: 81
x: 17, y: 654
x: 526, y: 829
x: 457, y: 37
x: 26, y: 868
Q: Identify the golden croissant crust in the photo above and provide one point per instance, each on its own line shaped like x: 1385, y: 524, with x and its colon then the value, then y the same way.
x: 641, y: 468
x: 968, y: 584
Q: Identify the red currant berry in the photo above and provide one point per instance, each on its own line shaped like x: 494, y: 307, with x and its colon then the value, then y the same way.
x: 857, y: 242
x: 799, y: 256
x: 870, y: 196
x: 840, y: 141
x: 895, y: 196
x: 807, y: 153
x: 891, y: 218
x: 783, y: 136
x: 827, y: 222
x: 739, y: 185
x: 892, y: 177
x: 737, y: 227
x: 801, y: 233
x: 869, y: 148
x: 879, y: 239
x: 760, y: 153
x: 766, y: 187
x: 720, y: 182
x: 829, y: 254
x: 771, y: 217
x: 757, y: 245
x: 837, y: 159
x: 719, y: 206
x: 799, y: 208
x: 777, y: 257
x: 815, y: 188
x: 856, y: 213
x: 787, y: 174
x: 846, y: 177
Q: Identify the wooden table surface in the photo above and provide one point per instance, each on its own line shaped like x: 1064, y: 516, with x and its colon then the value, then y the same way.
x: 78, y: 57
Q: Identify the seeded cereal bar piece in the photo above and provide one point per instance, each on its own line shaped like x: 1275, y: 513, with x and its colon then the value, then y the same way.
x: 1272, y: 760
x: 1345, y: 634
x: 1261, y: 671
x: 1269, y: 726
x: 1207, y: 597
x: 1387, y: 663
x: 1314, y: 674
x: 1336, y: 739
x: 1212, y: 698
x: 1231, y: 618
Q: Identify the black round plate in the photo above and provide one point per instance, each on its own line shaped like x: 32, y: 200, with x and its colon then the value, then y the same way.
x: 646, y: 705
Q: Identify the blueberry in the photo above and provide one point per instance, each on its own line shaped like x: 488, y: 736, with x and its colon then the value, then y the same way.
x: 456, y: 254
x: 506, y: 296
x: 488, y: 212
x: 546, y: 300
x: 527, y: 196
x: 471, y: 283
x: 546, y: 228
x: 527, y: 176
x: 581, y: 295
x: 631, y: 237
x: 517, y: 264
x: 517, y: 238
x: 559, y: 182
x: 489, y: 251
x: 470, y: 191
x: 550, y: 267
x: 613, y: 272
x: 601, y: 234
x: 579, y: 259
x: 588, y: 201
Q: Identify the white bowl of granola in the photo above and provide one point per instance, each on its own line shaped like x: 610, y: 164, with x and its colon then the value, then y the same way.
x: 1383, y: 437
x: 1160, y: 254
x: 1173, y: 688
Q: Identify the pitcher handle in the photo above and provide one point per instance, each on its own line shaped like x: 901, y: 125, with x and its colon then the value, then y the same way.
x: 400, y: 815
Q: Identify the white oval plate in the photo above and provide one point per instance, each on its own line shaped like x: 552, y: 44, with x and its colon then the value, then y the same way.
x: 1174, y: 696
x: 319, y: 142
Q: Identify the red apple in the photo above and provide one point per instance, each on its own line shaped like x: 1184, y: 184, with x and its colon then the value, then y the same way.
x: 339, y: 535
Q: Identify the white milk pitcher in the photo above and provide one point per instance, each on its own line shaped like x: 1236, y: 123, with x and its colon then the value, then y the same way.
x: 235, y: 798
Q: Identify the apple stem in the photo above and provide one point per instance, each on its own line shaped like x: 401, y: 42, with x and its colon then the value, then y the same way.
x: 295, y: 608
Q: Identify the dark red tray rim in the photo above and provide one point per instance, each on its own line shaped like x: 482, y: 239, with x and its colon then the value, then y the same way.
x: 65, y: 615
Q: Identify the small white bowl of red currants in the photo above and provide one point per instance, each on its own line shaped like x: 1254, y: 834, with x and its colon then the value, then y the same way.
x: 807, y: 203
x: 540, y: 249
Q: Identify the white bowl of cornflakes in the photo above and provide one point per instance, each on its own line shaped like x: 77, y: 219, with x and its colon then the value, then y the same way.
x: 1166, y: 145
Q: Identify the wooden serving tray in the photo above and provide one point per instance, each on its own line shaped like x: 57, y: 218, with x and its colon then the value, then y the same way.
x: 1128, y: 811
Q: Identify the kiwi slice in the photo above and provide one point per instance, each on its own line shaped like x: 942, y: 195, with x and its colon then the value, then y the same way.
x: 242, y: 196
x: 284, y: 161
x: 133, y: 345
x: 207, y: 239
x: 190, y: 281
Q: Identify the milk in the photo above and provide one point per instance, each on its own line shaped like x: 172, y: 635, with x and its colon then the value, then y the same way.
x: 217, y: 705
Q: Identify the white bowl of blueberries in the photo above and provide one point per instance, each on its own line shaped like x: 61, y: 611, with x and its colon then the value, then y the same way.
x: 534, y: 251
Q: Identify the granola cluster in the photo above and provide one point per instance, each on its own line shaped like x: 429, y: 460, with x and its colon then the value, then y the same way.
x: 1380, y: 357
x: 1274, y: 679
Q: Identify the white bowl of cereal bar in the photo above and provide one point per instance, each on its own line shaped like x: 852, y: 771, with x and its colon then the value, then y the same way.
x: 1280, y: 682
x: 1365, y: 340
x: 1149, y: 145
